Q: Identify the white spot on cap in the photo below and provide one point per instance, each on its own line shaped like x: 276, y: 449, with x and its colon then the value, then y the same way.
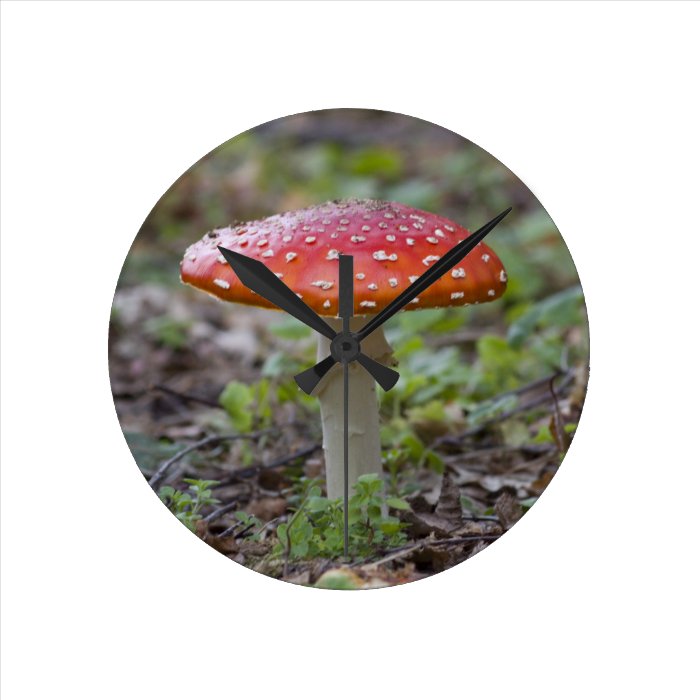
x: 262, y: 243
x: 219, y: 258
x: 388, y: 215
x: 412, y: 278
x: 458, y: 272
x: 360, y: 276
x: 449, y: 228
x: 492, y: 292
x: 279, y: 274
x: 268, y: 253
x: 438, y: 232
x: 403, y: 228
x: 393, y: 282
x: 327, y: 304
x: 411, y: 241
x: 286, y: 238
x: 430, y: 259
x: 390, y: 237
x: 345, y: 222
x: 366, y: 228
x: 368, y: 303
x: 221, y: 283
x: 290, y: 256
x: 194, y: 257
x: 383, y: 224
x: 334, y: 235
x: 503, y: 276
x: 381, y: 255
x: 323, y: 284
x: 417, y: 226
x: 414, y: 301
x: 457, y: 295
x: 486, y: 257
x: 432, y: 240
x: 332, y: 254
x: 306, y: 228
x: 357, y: 239
x: 326, y: 222
x: 372, y: 286
x: 310, y: 239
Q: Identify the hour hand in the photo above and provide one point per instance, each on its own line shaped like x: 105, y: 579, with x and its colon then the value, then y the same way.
x: 261, y: 280
x: 383, y: 375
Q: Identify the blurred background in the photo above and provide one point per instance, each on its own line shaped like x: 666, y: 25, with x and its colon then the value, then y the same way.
x: 508, y: 375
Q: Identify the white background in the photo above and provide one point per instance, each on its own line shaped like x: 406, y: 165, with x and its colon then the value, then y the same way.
x: 594, y: 594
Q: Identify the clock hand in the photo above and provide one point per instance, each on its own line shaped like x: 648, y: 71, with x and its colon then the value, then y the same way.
x: 346, y: 298
x: 346, y: 305
x: 384, y: 376
x: 261, y: 280
x: 308, y: 379
x: 432, y: 275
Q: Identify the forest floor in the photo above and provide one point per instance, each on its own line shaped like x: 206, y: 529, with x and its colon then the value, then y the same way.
x: 170, y: 360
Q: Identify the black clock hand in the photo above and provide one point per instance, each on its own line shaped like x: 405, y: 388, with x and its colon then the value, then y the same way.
x: 346, y: 304
x: 261, y: 280
x: 383, y: 375
x: 313, y: 375
x: 432, y: 275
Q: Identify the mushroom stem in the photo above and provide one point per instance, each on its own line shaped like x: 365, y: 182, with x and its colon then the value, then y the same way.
x: 363, y: 417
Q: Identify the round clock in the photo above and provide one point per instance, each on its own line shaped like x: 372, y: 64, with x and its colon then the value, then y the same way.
x: 383, y: 393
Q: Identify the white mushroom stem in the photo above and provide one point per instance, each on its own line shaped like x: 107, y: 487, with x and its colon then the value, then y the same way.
x: 363, y: 417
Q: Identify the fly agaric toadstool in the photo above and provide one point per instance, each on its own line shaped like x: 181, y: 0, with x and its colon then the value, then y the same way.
x: 392, y: 245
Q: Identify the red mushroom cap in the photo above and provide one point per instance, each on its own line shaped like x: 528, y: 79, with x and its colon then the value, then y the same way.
x: 392, y: 244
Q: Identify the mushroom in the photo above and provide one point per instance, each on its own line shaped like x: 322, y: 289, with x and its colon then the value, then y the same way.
x: 391, y: 244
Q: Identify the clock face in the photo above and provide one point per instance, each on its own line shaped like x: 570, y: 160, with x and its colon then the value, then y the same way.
x: 348, y: 349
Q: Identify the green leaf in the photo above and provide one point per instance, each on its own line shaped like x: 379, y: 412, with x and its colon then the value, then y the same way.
x: 562, y: 309
x: 316, y: 504
x: 382, y: 162
x: 236, y: 399
x: 166, y: 492
x: 390, y: 527
x: 398, y: 503
x: 337, y: 580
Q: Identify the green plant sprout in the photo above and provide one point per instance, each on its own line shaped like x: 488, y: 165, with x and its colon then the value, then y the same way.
x: 316, y: 528
x: 186, y: 505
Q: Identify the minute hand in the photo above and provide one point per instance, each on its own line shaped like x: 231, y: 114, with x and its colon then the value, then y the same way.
x: 446, y: 262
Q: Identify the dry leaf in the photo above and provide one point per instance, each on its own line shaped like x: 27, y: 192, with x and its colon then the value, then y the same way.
x: 449, y: 505
x: 508, y: 509
x: 267, y: 508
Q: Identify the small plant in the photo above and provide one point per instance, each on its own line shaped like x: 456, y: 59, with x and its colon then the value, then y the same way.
x: 249, y: 527
x: 167, y: 331
x: 187, y: 505
x: 316, y: 528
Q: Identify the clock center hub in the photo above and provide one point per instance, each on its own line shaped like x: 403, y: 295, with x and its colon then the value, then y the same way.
x: 345, y: 347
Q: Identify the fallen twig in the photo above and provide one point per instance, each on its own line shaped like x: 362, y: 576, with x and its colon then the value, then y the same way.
x: 222, y: 510
x: 156, y: 480
x: 185, y: 397
x: 566, y: 378
x: 256, y: 468
x: 560, y: 434
x: 466, y: 538
x: 415, y: 546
